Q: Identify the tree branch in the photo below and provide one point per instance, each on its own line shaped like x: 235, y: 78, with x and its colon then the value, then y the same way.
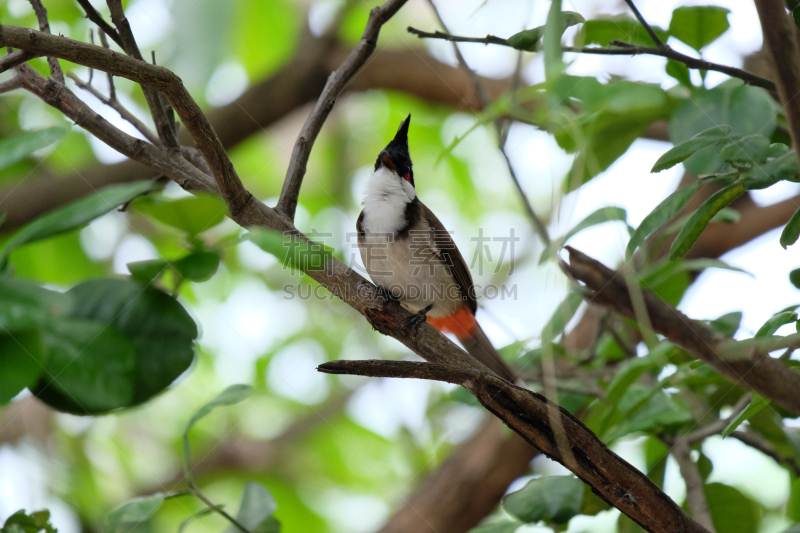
x: 287, y: 203
x: 644, y: 23
x: 780, y: 37
x: 761, y: 373
x: 695, y: 495
x: 44, y: 26
x: 94, y: 16
x: 14, y: 58
x: 625, y: 50
x: 529, y: 414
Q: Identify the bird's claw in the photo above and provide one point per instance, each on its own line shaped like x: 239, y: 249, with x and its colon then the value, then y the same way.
x: 414, y: 320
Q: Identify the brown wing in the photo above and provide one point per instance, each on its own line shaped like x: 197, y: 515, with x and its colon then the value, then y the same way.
x: 452, y: 257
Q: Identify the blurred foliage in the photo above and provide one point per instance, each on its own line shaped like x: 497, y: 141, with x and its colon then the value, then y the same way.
x: 148, y: 312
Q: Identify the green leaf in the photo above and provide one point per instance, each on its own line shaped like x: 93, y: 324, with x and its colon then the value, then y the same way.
x: 746, y: 151
x: 553, y: 499
x: 731, y: 511
x: 291, y: 250
x: 790, y: 234
x: 794, y: 277
x: 700, y: 219
x: 76, y: 214
x: 35, y: 522
x: 134, y: 512
x: 17, y: 148
x: 775, y: 322
x: 681, y: 152
x: 622, y: 28
x: 90, y: 367
x: 663, y: 213
x: 746, y: 110
x: 256, y: 509
x: 528, y: 40
x: 652, y: 410
x: 230, y: 396
x: 193, y: 215
x: 504, y: 526
x: 728, y: 324
x: 698, y: 26
x: 757, y: 403
x: 671, y: 268
x: 198, y: 266
x: 601, y: 216
x: 147, y: 271
x: 554, y: 29
x: 631, y: 371
x: 680, y: 72
x: 21, y: 362
x: 161, y: 330
x: 25, y: 305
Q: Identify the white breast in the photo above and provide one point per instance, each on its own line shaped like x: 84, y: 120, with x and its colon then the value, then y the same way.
x: 385, y: 201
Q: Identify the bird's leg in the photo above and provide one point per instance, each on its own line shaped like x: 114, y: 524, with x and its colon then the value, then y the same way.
x: 417, y: 318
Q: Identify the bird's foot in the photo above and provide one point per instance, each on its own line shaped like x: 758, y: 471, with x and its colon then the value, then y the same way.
x: 413, y: 321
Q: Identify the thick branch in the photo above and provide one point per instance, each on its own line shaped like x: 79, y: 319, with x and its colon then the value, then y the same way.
x: 529, y: 414
x: 780, y: 37
x: 17, y: 57
x: 763, y: 374
x: 625, y: 50
x: 333, y: 88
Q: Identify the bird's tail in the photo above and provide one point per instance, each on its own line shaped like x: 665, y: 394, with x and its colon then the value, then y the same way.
x: 467, y: 330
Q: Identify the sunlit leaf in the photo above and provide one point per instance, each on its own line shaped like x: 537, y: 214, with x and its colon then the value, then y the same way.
x: 551, y: 498
x: 18, y: 147
x: 698, y: 26
x: 134, y: 512
x: 193, y: 215
x: 775, y: 322
x: 76, y: 214
x: 553, y: 30
x: 757, y: 403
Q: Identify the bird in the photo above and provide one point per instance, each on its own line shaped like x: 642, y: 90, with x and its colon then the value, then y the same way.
x: 412, y: 258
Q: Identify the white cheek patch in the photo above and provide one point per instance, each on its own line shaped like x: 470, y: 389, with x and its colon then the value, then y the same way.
x: 385, y: 201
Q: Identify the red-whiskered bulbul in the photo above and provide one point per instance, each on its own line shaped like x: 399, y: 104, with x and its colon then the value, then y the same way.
x: 411, y: 256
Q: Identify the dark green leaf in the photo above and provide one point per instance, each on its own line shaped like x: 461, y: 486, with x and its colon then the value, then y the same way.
x: 255, y: 511
x: 757, y: 403
x: 90, y: 367
x: 771, y: 172
x: 193, y: 215
x: 698, y: 26
x: 529, y: 39
x: 775, y: 322
x: 731, y: 511
x: 35, y: 522
x: 747, y: 110
x: 147, y: 271
x: 727, y: 324
x: 198, y: 266
x: 25, y: 305
x: 681, y: 152
x: 552, y: 499
x: 133, y: 512
x: 658, y: 412
x: 794, y: 277
x: 17, y: 148
x: 230, y: 396
x: 632, y: 370
x: 625, y: 29
x: 76, y: 214
x: 21, y: 362
x: 663, y: 213
x: 161, y: 330
x: 704, y: 466
x: 700, y: 219
x: 746, y: 151
x: 680, y: 72
x: 790, y: 234
x: 601, y: 216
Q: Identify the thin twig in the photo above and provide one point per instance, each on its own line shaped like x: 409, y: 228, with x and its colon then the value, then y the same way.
x: 14, y: 58
x: 10, y: 85
x: 112, y: 91
x: 165, y: 130
x: 94, y: 16
x: 216, y: 508
x: 287, y: 203
x: 644, y: 23
x: 44, y: 26
x: 538, y: 226
x: 718, y: 425
x: 115, y: 104
x: 695, y: 496
x: 624, y: 49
